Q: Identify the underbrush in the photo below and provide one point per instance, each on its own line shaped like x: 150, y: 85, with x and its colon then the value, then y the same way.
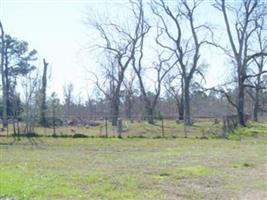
x: 252, y: 129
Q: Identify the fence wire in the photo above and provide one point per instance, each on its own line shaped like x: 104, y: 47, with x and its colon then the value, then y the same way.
x: 102, y: 126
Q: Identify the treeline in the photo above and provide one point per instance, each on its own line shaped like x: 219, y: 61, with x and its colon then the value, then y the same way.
x: 152, y: 64
x: 162, y: 42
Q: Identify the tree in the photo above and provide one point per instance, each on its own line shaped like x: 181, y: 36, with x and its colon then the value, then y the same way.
x: 240, y: 29
x: 54, y: 108
x: 162, y: 68
x: 30, y: 86
x: 4, y: 91
x: 43, y: 107
x: 128, y: 94
x: 16, y: 61
x: 185, y: 46
x: 119, y: 47
x: 16, y: 112
x: 257, y: 83
x: 68, y: 98
x: 176, y: 92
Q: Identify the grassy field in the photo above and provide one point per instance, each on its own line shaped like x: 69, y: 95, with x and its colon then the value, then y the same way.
x: 136, y: 168
x: 169, y: 128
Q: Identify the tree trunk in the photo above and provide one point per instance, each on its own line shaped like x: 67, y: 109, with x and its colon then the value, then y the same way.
x: 5, y: 101
x: 256, y: 106
x: 181, y: 109
x: 3, y: 77
x: 115, y: 112
x: 43, y: 95
x: 241, y: 100
x: 187, y: 115
x: 181, y: 113
x: 150, y: 116
x: 5, y: 92
x: 130, y: 110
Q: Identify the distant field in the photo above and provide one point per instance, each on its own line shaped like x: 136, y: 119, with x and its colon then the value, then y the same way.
x: 136, y: 168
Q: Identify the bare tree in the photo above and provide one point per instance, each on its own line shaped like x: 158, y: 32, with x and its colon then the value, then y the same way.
x: 171, y: 86
x: 119, y: 48
x: 162, y: 68
x: 43, y: 121
x: 30, y: 85
x: 245, y: 15
x: 256, y: 80
x: 129, y: 93
x: 186, y: 46
x: 111, y: 86
x: 68, y: 98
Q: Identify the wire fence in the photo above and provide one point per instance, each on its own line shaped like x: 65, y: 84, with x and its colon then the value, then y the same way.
x: 102, y: 126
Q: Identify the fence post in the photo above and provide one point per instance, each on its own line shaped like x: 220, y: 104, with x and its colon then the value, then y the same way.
x: 119, y: 127
x: 106, y: 124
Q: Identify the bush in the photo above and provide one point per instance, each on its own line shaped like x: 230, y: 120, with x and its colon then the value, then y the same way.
x: 79, y: 135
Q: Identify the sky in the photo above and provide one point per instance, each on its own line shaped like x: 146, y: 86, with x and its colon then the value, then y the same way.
x: 57, y: 30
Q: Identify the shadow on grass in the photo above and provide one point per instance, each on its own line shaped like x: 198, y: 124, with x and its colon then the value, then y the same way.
x: 33, y: 139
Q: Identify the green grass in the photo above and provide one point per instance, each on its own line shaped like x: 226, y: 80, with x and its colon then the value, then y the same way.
x: 253, y: 129
x: 136, y: 168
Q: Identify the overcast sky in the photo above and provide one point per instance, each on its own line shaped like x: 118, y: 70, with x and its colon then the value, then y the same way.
x: 56, y: 29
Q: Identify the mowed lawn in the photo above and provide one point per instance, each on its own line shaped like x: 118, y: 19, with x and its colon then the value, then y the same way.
x: 142, y: 169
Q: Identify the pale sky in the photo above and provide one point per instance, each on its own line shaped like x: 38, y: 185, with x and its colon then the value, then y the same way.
x: 56, y: 29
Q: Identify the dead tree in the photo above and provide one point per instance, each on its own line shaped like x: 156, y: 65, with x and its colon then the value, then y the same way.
x: 68, y: 100
x: 162, y: 68
x: 43, y: 107
x: 4, y: 90
x: 119, y: 47
x: 177, y: 93
x: 186, y: 46
x: 129, y: 93
x: 256, y: 81
x: 30, y: 86
x: 240, y: 30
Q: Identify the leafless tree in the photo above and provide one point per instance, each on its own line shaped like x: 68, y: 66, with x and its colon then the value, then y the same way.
x: 129, y: 92
x: 43, y: 107
x: 162, y: 68
x: 258, y: 80
x: 185, y: 45
x: 176, y: 92
x: 68, y: 98
x: 119, y: 47
x: 111, y: 86
x: 240, y: 29
x: 30, y: 85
